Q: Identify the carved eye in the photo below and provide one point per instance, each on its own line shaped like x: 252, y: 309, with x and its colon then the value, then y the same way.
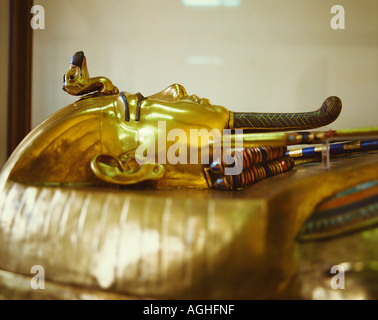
x: 71, y: 77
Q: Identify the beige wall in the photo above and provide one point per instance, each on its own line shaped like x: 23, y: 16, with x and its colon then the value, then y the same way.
x: 272, y: 55
x: 4, y: 36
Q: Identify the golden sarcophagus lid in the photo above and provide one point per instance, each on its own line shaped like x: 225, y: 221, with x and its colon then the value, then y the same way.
x: 121, y: 196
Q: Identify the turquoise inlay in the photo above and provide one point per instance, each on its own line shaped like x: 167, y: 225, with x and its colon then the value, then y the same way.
x: 334, y: 212
x: 354, y: 189
x: 353, y: 216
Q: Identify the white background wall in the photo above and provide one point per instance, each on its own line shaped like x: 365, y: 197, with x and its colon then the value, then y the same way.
x: 273, y: 55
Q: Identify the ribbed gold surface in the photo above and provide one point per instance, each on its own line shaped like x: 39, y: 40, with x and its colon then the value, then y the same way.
x: 126, y: 242
x: 171, y: 243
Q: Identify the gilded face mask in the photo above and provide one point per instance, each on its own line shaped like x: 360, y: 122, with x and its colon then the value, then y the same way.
x: 169, y: 139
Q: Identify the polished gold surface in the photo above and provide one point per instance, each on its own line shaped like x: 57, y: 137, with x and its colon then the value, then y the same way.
x: 88, y: 144
x: 129, y: 171
x: 76, y: 199
x: 60, y: 150
x: 178, y: 243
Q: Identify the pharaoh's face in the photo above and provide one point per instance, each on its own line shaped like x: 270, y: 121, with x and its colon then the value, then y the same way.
x: 177, y: 93
x: 173, y: 107
x: 170, y: 128
x: 90, y: 141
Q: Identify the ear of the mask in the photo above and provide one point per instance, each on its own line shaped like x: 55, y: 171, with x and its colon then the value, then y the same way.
x: 110, y: 169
